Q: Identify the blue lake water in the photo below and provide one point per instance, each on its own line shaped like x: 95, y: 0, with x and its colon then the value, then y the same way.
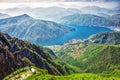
x: 81, y: 32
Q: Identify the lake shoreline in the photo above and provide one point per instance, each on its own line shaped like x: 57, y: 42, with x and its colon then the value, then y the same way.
x: 80, y: 32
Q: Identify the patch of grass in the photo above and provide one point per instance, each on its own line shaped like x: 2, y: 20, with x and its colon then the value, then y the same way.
x: 42, y: 74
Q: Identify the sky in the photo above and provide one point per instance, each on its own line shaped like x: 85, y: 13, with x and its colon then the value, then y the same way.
x: 50, y: 0
x: 5, y: 4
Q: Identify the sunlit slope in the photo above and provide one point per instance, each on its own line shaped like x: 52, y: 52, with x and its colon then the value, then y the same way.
x: 26, y: 74
x: 90, y: 58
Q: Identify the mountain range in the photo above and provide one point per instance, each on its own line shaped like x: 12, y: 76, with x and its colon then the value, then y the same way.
x: 89, y: 20
x: 98, y: 61
x: 95, y: 58
x: 34, y: 30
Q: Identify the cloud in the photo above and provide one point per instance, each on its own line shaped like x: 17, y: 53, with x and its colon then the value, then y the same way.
x: 51, y: 0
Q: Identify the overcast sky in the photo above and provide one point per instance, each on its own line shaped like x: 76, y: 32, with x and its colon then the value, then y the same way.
x: 50, y: 0
x: 4, y: 4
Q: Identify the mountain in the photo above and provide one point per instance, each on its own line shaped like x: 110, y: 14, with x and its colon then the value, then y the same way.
x: 96, y: 61
x: 34, y: 30
x: 2, y: 16
x: 106, y: 38
x: 15, y: 54
x: 89, y: 20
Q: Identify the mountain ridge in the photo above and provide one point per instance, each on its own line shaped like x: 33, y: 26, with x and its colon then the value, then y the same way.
x: 25, y: 27
x: 106, y: 38
x: 89, y: 20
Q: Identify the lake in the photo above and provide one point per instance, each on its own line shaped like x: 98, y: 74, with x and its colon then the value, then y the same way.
x: 80, y: 32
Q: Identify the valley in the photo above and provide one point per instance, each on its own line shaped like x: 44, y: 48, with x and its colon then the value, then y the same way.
x: 15, y: 54
x: 81, y: 59
x: 80, y: 53
x: 60, y: 40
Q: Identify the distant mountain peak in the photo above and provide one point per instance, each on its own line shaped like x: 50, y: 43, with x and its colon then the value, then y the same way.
x: 25, y: 15
x: 21, y: 17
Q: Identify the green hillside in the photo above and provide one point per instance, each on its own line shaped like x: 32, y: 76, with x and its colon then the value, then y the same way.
x: 80, y: 60
x: 99, y: 58
x: 94, y: 58
x: 26, y: 74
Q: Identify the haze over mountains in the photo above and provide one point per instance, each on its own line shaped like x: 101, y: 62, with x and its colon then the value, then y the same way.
x: 55, y: 13
x: 51, y: 13
x: 91, y: 16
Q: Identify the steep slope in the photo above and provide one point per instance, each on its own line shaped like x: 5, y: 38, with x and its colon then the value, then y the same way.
x: 27, y: 28
x: 106, y: 38
x: 16, y: 53
x: 89, y: 20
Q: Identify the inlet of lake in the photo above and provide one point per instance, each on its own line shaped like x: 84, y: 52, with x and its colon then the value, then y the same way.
x: 80, y: 32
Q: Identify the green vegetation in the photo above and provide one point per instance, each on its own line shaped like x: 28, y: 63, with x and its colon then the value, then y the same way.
x: 83, y: 76
x: 73, y: 61
x: 43, y: 75
x: 94, y: 58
